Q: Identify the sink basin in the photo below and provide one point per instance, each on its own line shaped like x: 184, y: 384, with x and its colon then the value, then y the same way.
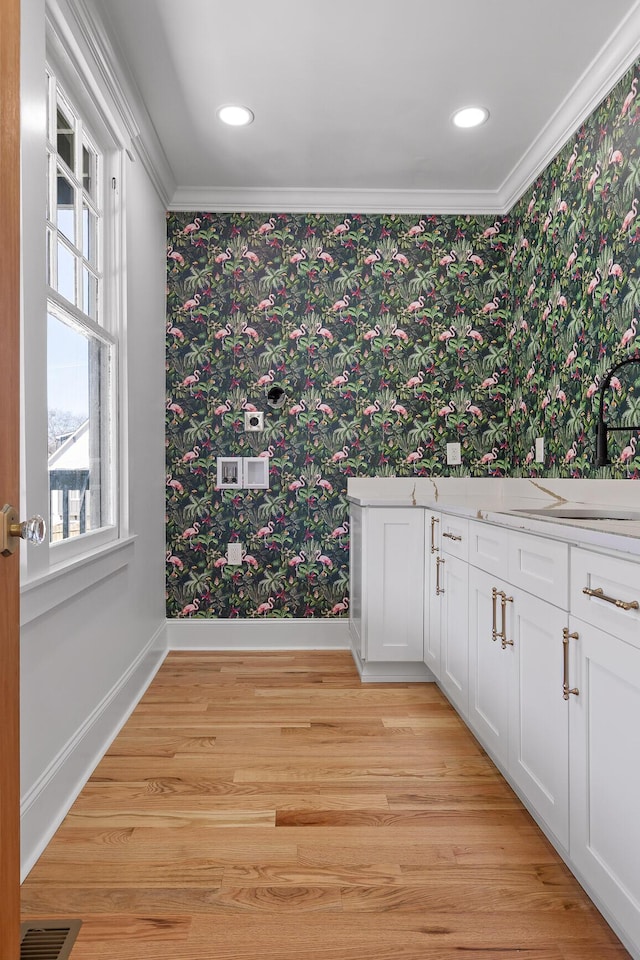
x: 583, y: 513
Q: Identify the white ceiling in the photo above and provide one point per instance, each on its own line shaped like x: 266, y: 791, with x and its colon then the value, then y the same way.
x: 353, y: 98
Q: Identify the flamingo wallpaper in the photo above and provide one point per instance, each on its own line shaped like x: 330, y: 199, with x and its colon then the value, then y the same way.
x: 390, y: 335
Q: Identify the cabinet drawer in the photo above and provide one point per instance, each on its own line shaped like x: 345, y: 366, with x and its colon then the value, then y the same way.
x: 455, y: 536
x: 488, y: 547
x: 619, y: 580
x: 541, y: 567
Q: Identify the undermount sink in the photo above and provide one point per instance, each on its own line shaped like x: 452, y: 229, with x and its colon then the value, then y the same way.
x: 582, y: 513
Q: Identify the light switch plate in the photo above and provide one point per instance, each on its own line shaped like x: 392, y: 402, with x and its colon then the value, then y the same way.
x: 234, y: 554
x: 453, y: 454
x: 539, y: 449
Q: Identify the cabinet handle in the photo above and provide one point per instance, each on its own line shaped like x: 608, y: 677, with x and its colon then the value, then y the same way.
x: 505, y: 600
x: 451, y: 536
x: 494, y: 610
x: 601, y: 595
x: 434, y: 520
x: 439, y: 589
x: 566, y: 690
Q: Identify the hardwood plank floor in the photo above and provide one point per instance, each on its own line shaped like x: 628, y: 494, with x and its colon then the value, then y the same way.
x: 270, y: 807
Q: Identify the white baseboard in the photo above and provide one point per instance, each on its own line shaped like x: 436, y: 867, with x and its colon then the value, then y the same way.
x: 267, y: 634
x: 411, y: 672
x: 46, y: 804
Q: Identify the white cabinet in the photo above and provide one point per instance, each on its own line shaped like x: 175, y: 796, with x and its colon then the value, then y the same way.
x: 604, y: 670
x: 489, y: 665
x: 387, y: 583
x: 432, y: 595
x: 454, y: 633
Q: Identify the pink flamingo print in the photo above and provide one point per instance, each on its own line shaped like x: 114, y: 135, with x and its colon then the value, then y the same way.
x: 594, y: 282
x: 615, y: 270
x: 340, y: 531
x: 448, y: 334
x: 629, y: 334
x: 340, y: 380
x: 615, y: 384
x: 222, y: 257
x: 324, y: 485
x: 191, y: 455
x: 220, y: 562
x: 571, y: 356
x: 174, y: 255
x: 174, y: 408
x: 491, y: 381
x: 561, y: 395
x: 630, y: 217
x: 222, y: 408
x: 249, y: 407
x: 371, y: 334
x: 340, y: 607
x: 298, y: 332
x: 190, y: 608
x: 476, y: 260
x: 630, y: 97
x: 298, y: 257
x: 249, y: 331
x: 174, y: 561
x: 224, y: 332
x: 594, y: 176
x: 324, y: 333
x: 191, y: 380
x: 400, y: 334
x: 267, y: 303
x: 415, y: 455
x: 593, y: 387
x: 372, y: 258
x: 298, y: 408
x: 175, y: 484
x: 250, y: 256
x: 532, y: 204
x: 475, y: 335
x: 192, y: 227
x: 247, y: 558
x: 571, y: 259
x: 341, y: 228
x: 265, y: 379
x: 265, y: 531
x: 414, y: 382
x: 371, y: 409
x: 616, y: 158
x: 341, y: 305
x: 265, y: 607
x: 447, y: 410
x: 473, y: 410
x: 175, y: 332
x: 400, y: 258
x: 265, y: 454
x: 629, y: 451
x: 493, y: 231
x: 400, y: 410
x: 324, y: 560
x: 448, y: 259
x: 324, y: 408
x: 491, y: 305
x: 191, y: 532
x: 326, y: 258
x: 296, y: 485
x: 571, y: 452
x: 416, y: 305
x: 546, y: 400
x: 417, y: 229
x: 572, y: 159
x: 490, y: 457
x: 192, y: 304
x: 298, y: 559
x: 267, y: 227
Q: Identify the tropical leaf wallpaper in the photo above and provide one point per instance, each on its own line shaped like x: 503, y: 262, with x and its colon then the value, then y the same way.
x: 390, y: 336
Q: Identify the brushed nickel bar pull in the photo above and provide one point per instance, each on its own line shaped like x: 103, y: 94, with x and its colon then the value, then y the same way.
x: 434, y: 520
x: 494, y: 598
x: 566, y: 689
x: 451, y: 536
x: 601, y: 595
x: 439, y: 589
x: 505, y: 600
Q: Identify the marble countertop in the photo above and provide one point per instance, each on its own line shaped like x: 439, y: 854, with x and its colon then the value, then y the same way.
x: 478, y: 501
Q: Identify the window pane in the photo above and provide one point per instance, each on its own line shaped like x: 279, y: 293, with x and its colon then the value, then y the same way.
x: 66, y: 139
x: 66, y: 280
x: 89, y: 170
x: 89, y: 232
x: 66, y: 210
x: 78, y: 386
x: 89, y: 294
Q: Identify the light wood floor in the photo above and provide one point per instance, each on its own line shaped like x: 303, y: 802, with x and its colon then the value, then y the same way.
x: 270, y: 807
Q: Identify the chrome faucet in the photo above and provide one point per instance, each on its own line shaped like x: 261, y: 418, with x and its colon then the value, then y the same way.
x: 602, y: 430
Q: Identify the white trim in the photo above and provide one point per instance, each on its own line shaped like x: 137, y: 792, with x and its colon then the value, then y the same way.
x: 607, y: 68
x: 65, y: 580
x: 389, y: 672
x: 268, y: 634
x: 59, y: 785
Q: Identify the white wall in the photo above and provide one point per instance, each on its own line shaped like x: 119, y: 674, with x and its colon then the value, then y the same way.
x: 92, y: 636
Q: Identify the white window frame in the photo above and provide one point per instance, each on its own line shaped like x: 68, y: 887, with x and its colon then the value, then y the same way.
x: 54, y: 572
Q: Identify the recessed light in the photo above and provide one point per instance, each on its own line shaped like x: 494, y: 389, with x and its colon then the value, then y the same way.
x: 235, y: 115
x: 470, y: 116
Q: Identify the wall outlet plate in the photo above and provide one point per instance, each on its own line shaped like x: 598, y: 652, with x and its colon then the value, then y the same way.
x: 234, y: 554
x: 539, y: 449
x: 253, y: 420
x: 453, y: 454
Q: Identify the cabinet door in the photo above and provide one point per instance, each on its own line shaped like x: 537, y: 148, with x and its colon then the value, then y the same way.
x: 432, y: 599
x: 355, y: 578
x: 454, y: 667
x: 605, y: 772
x: 538, y: 713
x: 489, y: 664
x: 395, y: 583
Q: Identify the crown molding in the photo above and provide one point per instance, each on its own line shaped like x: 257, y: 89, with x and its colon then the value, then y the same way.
x: 617, y: 55
x: 300, y: 200
x: 125, y: 95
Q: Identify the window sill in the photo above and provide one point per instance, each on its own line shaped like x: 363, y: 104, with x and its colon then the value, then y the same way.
x: 65, y: 580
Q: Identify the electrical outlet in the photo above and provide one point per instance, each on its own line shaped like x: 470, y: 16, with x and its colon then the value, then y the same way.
x: 453, y: 454
x: 539, y: 449
x: 253, y: 420
x: 234, y: 554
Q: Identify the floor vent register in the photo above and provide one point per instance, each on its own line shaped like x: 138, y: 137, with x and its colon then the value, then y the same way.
x: 48, y: 939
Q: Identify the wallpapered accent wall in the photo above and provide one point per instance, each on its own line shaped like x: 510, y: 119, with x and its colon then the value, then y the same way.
x: 390, y: 336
